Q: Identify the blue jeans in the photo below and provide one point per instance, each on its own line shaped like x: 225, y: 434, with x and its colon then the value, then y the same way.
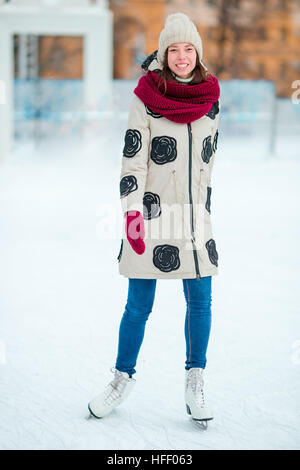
x: 139, y: 305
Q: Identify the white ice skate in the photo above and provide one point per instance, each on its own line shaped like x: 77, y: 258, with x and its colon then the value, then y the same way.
x: 113, y: 395
x: 194, y: 397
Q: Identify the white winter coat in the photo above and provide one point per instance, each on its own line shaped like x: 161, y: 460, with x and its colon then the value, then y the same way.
x: 166, y: 175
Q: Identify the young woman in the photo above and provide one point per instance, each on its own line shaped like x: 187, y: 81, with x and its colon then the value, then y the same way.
x: 165, y: 191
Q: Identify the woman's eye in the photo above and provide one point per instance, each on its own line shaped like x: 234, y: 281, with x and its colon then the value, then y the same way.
x: 174, y: 50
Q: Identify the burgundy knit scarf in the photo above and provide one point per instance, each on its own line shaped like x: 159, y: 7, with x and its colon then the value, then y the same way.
x: 181, y: 103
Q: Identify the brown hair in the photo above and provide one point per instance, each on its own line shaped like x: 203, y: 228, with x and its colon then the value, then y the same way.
x: 200, y: 73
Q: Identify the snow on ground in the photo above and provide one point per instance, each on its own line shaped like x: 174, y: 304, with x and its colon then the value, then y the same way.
x: 62, y: 299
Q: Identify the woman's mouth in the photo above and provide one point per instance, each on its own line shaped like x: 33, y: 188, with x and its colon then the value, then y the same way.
x: 182, y: 66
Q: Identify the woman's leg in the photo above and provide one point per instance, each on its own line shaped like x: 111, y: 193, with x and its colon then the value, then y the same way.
x: 141, y: 293
x: 197, y: 320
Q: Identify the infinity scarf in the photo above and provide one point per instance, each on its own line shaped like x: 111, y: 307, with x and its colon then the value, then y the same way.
x: 181, y: 103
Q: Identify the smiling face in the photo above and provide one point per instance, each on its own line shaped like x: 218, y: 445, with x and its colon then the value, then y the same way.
x: 182, y: 59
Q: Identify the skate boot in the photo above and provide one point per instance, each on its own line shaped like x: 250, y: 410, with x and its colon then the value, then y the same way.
x: 194, y: 396
x: 113, y: 395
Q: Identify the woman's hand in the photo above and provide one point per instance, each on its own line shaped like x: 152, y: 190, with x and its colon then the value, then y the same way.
x: 135, y: 231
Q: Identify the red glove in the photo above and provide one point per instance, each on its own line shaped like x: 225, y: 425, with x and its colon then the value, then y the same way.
x: 135, y: 231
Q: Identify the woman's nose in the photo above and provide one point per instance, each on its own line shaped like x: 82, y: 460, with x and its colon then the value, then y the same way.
x: 181, y: 55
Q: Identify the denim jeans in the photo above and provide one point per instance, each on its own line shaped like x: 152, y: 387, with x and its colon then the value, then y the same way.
x: 141, y: 293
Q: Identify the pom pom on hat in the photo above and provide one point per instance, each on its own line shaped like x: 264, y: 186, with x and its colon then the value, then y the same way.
x: 178, y: 28
x: 176, y: 16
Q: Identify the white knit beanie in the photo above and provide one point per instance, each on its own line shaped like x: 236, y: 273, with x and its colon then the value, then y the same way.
x: 179, y: 28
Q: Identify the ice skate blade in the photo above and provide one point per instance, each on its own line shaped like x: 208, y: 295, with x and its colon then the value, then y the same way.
x: 92, y: 414
x: 201, y: 423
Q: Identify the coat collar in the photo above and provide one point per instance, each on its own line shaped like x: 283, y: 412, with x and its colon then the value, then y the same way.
x: 152, y: 63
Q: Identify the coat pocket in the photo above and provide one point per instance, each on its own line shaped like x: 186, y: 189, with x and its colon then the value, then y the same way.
x: 175, y: 185
x: 184, y: 217
x: 120, y: 252
x: 199, y: 221
x: 200, y: 185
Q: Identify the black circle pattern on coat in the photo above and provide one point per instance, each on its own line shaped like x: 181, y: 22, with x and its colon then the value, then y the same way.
x: 151, y: 206
x: 152, y: 113
x: 207, y: 204
x: 215, y: 142
x: 166, y: 257
x: 207, y: 150
x: 163, y: 149
x: 212, y: 251
x: 128, y: 184
x: 133, y: 143
x: 213, y: 110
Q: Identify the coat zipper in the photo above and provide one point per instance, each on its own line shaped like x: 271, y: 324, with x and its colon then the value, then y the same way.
x: 191, y: 203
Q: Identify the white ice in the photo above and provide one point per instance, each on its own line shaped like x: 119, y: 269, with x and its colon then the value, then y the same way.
x: 62, y: 299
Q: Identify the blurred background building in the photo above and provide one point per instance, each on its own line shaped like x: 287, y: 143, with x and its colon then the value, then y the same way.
x: 253, y: 47
x: 241, y: 39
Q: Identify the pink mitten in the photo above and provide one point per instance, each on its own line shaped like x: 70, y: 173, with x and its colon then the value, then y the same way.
x: 135, y: 231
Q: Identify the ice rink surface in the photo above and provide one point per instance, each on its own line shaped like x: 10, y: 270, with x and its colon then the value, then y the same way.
x: 61, y: 301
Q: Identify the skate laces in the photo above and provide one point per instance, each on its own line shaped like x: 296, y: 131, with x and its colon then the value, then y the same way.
x: 116, y: 387
x: 196, y: 381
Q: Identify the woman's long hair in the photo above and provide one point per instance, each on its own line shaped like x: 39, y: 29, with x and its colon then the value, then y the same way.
x: 200, y: 73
